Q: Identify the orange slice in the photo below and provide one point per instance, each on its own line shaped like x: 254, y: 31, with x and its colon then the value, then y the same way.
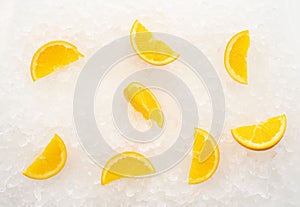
x: 124, y: 165
x: 263, y: 135
x: 148, y: 48
x: 235, y: 57
x: 51, y: 57
x: 50, y: 162
x: 205, y: 158
x: 144, y: 101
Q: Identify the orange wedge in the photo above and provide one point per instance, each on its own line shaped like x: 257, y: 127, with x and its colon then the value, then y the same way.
x: 148, y: 48
x: 144, y: 101
x: 50, y: 162
x: 205, y: 158
x: 235, y: 57
x: 51, y: 57
x: 124, y: 165
x: 263, y: 135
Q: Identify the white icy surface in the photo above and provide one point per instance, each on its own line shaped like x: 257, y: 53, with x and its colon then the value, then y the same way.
x: 32, y: 112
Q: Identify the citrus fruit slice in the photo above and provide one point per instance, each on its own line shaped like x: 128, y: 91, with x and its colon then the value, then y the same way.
x: 205, y: 158
x: 52, y: 56
x: 50, y: 162
x: 235, y: 56
x: 124, y: 165
x: 263, y: 135
x: 148, y: 48
x: 144, y: 101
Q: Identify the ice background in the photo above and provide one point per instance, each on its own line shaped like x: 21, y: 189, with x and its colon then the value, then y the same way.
x: 32, y: 112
